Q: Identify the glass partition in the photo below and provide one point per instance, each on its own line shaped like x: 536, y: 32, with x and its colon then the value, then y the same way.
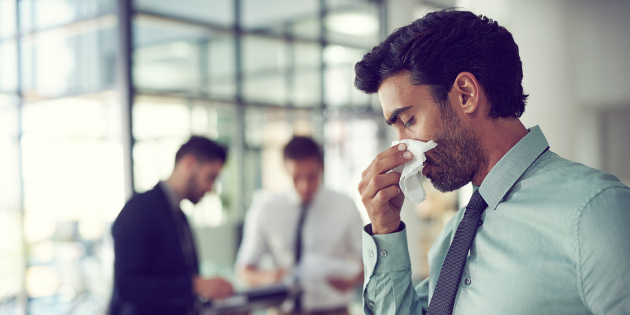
x: 173, y: 56
x: 8, y: 64
x: 42, y: 14
x: 282, y: 17
x: 306, y: 84
x: 74, y: 59
x: 73, y: 175
x: 352, y: 22
x: 161, y: 125
x: 8, y: 26
x: 11, y: 242
x: 339, y: 77
x: 219, y: 12
x: 265, y: 66
x: 72, y: 146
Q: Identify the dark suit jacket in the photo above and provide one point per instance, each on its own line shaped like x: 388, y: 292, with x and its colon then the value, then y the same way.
x: 152, y: 274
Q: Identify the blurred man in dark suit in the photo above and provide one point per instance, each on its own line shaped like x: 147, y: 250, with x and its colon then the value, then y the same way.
x: 156, y: 267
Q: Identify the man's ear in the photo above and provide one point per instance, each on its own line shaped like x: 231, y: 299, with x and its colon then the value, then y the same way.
x: 467, y: 90
x: 188, y: 161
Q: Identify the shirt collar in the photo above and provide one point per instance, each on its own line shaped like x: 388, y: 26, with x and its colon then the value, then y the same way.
x: 512, y: 166
x: 171, y: 195
x: 294, y: 196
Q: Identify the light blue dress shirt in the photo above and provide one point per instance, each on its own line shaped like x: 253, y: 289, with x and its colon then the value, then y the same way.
x: 555, y: 239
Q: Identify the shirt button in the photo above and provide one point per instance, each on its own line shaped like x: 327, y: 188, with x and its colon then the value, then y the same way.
x: 371, y: 253
x: 383, y: 253
x: 467, y: 281
x: 480, y: 222
x: 371, y: 304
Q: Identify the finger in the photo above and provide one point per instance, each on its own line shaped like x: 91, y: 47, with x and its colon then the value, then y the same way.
x: 385, y: 195
x: 225, y: 286
x: 229, y: 289
x: 377, y: 183
x: 220, y: 292
x: 388, y: 160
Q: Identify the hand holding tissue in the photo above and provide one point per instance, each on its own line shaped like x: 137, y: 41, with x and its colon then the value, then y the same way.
x: 411, y: 172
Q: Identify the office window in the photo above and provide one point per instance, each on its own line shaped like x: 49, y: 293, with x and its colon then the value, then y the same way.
x: 265, y: 66
x: 73, y: 175
x: 9, y: 159
x: 218, y: 12
x: 11, y: 250
x: 41, y: 14
x: 340, y: 91
x: 171, y: 67
x: 221, y: 81
x: 160, y: 125
x: 74, y: 59
x: 7, y: 18
x: 282, y: 17
x: 306, y: 82
x: 8, y: 64
x: 173, y: 56
x: 352, y: 22
x: 166, y: 55
x: 63, y: 125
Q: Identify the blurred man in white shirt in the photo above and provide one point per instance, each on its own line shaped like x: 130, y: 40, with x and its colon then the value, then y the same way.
x: 287, y: 226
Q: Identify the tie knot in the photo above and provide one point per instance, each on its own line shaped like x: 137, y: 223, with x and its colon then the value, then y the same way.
x: 477, y: 202
x: 304, y: 207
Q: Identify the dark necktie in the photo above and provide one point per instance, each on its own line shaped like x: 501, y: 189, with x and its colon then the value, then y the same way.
x: 297, y: 304
x: 450, y: 275
x: 298, y: 238
x: 187, y: 241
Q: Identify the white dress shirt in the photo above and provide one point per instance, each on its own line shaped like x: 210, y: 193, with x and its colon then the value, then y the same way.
x: 331, y: 242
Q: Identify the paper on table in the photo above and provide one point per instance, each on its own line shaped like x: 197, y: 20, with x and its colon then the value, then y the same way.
x: 411, y: 172
x: 316, y: 270
x: 318, y: 266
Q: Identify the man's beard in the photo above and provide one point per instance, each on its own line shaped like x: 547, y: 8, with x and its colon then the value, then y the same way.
x: 458, y: 156
x: 191, y: 190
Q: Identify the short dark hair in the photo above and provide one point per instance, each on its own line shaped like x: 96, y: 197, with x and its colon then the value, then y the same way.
x: 300, y: 148
x: 442, y: 44
x: 203, y: 149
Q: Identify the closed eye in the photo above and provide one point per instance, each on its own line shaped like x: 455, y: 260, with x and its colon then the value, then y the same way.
x: 409, y: 122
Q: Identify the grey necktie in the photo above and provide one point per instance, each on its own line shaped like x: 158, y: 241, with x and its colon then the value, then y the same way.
x: 297, y: 304
x: 298, y: 238
x: 450, y: 275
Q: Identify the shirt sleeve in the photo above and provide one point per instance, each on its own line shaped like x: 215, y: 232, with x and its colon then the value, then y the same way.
x: 603, y: 235
x: 387, y: 288
x: 254, y: 244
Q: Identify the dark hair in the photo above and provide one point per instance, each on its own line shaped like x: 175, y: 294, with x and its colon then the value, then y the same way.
x: 300, y: 148
x: 203, y: 149
x: 442, y: 44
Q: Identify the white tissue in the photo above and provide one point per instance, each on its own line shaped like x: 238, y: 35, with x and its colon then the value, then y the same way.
x: 411, y: 172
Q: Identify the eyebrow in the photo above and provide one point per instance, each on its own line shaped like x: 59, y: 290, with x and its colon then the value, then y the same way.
x: 394, y: 116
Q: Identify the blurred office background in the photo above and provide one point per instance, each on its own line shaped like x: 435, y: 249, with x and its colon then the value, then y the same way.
x: 97, y: 95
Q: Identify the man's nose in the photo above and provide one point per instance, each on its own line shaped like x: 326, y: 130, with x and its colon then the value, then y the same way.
x: 405, y: 134
x: 302, y: 186
x: 400, y: 135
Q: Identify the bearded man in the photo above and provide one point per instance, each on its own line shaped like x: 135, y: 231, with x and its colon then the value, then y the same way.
x: 156, y: 269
